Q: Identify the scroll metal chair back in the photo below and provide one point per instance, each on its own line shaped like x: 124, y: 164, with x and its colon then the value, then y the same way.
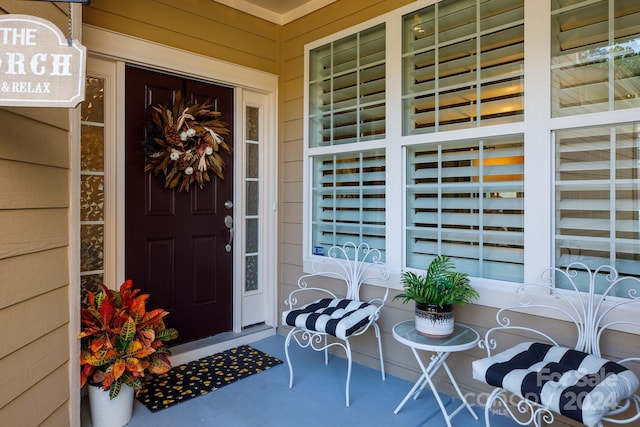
x: 335, y: 315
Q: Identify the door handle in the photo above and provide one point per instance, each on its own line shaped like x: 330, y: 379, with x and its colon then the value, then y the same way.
x: 228, y: 222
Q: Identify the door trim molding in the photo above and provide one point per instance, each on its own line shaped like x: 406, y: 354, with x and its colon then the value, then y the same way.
x: 143, y: 52
x: 121, y: 49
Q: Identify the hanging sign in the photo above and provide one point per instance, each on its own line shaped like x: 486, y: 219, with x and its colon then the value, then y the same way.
x: 39, y: 67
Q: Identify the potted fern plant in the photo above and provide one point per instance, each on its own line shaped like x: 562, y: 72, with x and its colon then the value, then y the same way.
x: 435, y: 293
x: 120, y: 343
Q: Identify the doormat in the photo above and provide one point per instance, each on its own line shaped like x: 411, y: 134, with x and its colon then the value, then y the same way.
x: 201, y: 376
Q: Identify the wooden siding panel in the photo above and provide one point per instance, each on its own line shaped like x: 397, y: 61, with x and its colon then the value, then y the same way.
x: 292, y: 151
x: 59, y: 418
x: 292, y: 213
x: 46, y: 187
x: 291, y: 233
x: 289, y: 274
x: 220, y: 14
x: 32, y: 141
x: 39, y: 402
x: 206, y: 28
x: 293, y: 172
x: 49, y: 11
x: 292, y: 253
x: 292, y: 72
x: 292, y: 192
x: 293, y: 88
x: 292, y: 133
x: 335, y: 17
x: 293, y: 109
x: 35, y: 274
x: 28, y: 231
x: 24, y: 368
x: 56, y: 117
x: 20, y: 324
x: 293, y: 69
x: 332, y: 19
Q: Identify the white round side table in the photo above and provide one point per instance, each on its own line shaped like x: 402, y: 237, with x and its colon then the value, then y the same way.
x: 463, y: 338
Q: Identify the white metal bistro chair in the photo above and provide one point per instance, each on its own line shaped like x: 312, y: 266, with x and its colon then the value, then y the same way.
x: 538, y: 378
x: 340, y: 317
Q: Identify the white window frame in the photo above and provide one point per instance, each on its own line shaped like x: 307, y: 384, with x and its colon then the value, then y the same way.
x: 537, y: 128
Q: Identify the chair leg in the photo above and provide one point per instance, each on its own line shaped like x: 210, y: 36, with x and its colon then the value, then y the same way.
x: 347, y: 348
x: 286, y: 352
x: 348, y: 351
x: 378, y: 335
x: 326, y: 350
x: 489, y: 404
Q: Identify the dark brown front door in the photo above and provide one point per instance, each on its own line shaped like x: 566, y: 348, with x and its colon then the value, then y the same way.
x: 175, y: 241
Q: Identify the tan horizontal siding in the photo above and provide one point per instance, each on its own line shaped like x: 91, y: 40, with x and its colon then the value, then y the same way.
x: 207, y: 28
x: 32, y: 230
x: 20, y: 324
x: 39, y: 402
x: 37, y: 187
x: 51, y: 12
x: 34, y: 269
x: 35, y: 273
x: 60, y: 417
x: 30, y: 140
x: 331, y: 19
x: 54, y: 117
x: 26, y: 367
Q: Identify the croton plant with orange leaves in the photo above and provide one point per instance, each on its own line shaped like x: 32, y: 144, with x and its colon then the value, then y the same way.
x: 122, y: 342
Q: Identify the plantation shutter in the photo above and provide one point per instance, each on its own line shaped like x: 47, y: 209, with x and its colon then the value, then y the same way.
x: 595, y: 56
x: 463, y: 65
x: 465, y: 200
x: 597, y: 204
x: 349, y: 200
x: 347, y: 89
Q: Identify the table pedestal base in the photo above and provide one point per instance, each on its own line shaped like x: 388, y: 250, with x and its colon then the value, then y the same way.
x: 437, y: 360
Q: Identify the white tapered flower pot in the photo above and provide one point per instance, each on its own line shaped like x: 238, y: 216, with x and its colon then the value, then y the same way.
x: 107, y: 412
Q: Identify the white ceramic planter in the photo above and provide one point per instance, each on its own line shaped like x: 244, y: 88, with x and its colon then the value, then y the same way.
x: 107, y: 412
x: 434, y: 322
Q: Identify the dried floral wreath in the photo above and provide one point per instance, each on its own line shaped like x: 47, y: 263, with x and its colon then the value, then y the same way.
x: 184, y: 144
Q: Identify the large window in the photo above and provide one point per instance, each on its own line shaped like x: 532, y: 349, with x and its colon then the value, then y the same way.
x: 463, y: 65
x: 465, y: 199
x: 456, y: 160
x: 595, y: 68
x: 347, y: 107
x: 597, y: 197
x: 596, y: 55
x: 349, y: 200
x: 346, y: 89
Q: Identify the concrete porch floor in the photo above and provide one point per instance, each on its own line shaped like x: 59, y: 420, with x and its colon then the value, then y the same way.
x: 316, y: 399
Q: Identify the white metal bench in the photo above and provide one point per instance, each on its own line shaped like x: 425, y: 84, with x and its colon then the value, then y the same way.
x: 329, y: 314
x: 539, y: 378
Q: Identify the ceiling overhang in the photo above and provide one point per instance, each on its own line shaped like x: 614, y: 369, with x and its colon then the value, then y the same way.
x: 277, y: 11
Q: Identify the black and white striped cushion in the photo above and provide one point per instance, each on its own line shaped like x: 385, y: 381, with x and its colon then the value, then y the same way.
x: 569, y: 382
x: 337, y: 317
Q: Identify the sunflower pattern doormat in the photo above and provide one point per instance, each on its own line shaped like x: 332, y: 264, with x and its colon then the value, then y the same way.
x: 199, y: 377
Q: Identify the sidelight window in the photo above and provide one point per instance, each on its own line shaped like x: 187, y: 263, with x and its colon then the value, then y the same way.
x: 92, y: 196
